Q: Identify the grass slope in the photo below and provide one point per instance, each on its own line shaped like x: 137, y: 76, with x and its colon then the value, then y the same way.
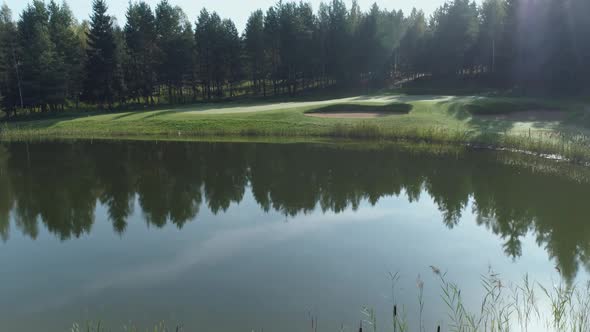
x: 426, y: 118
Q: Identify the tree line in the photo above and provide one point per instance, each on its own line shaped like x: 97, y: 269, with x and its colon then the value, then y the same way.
x: 49, y: 61
x: 174, y: 182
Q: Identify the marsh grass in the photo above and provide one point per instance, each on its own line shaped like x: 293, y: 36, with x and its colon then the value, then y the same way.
x: 398, y: 319
x: 573, y: 147
x: 91, y: 326
x: 370, y: 318
x: 520, y: 306
x: 524, y: 302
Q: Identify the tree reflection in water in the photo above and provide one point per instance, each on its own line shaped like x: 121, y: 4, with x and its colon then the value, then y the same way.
x: 59, y: 185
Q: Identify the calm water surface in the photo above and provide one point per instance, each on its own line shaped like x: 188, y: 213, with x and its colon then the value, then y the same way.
x: 242, y: 237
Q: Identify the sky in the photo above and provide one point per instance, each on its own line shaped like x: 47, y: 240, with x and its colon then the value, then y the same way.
x: 237, y: 10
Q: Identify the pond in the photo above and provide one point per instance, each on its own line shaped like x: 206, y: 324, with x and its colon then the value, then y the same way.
x: 270, y: 237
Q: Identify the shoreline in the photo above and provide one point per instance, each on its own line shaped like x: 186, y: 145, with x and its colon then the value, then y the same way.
x: 366, y: 142
x: 427, y: 121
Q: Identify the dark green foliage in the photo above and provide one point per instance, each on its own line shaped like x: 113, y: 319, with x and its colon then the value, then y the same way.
x: 413, y: 44
x: 42, y: 69
x: 231, y: 56
x: 68, y: 49
x: 140, y: 39
x: 218, y: 54
x: 337, y: 41
x: 175, y: 43
x: 103, y: 78
x: 206, y: 37
x: 254, y: 50
x: 10, y: 82
x: 48, y: 61
x: 493, y: 16
x: 455, y: 33
x: 272, y: 41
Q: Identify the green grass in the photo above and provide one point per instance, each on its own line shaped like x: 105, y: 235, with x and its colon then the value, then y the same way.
x: 431, y: 119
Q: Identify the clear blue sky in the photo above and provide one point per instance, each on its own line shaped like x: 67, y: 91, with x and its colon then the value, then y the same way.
x: 237, y: 10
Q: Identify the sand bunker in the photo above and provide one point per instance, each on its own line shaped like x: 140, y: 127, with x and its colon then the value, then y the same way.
x: 350, y: 115
x: 527, y: 116
x: 352, y: 111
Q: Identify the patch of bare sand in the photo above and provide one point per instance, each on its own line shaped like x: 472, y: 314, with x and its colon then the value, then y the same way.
x: 350, y: 115
x: 527, y: 116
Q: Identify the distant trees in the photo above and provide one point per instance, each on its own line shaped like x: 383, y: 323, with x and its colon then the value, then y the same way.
x: 493, y: 18
x: 231, y: 61
x: 254, y: 51
x: 103, y: 78
x: 41, y: 70
x: 48, y: 61
x: 413, y: 46
x: 218, y: 49
x: 68, y: 51
x: 140, y: 41
x: 207, y: 41
x: 455, y: 31
x: 10, y: 80
x: 175, y: 43
x: 337, y: 41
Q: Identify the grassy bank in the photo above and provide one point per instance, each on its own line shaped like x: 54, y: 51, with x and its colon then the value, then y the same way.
x: 551, y: 127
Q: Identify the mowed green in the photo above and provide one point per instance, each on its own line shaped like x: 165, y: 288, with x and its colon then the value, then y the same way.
x: 548, y: 126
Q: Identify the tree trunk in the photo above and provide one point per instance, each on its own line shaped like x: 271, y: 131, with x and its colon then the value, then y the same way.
x: 493, y: 55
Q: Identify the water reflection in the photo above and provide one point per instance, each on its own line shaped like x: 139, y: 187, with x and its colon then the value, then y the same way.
x: 58, y: 185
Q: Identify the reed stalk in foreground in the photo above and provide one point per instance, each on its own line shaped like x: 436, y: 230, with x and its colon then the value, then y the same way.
x: 506, y: 307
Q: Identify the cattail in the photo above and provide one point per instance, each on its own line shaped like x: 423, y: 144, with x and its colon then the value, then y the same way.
x: 435, y: 270
x: 394, y: 310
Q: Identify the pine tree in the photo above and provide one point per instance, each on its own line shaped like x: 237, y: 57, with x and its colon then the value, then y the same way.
x: 232, y: 50
x: 306, y: 52
x: 68, y: 49
x: 272, y: 42
x: 176, y: 49
x: 181, y: 56
x: 456, y: 26
x: 42, y: 70
x: 101, y: 84
x: 412, y: 46
x: 204, y: 43
x: 140, y: 38
x: 10, y: 80
x: 493, y: 13
x: 338, y: 39
x: 320, y: 43
x: 254, y: 49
